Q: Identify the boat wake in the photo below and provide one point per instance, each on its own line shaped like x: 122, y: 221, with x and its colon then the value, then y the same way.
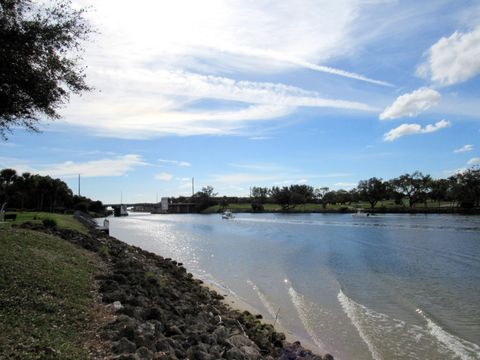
x: 387, y: 337
x: 309, y: 314
x: 265, y: 302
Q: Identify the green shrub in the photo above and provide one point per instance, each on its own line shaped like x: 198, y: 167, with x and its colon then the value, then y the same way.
x: 49, y: 223
x: 103, y: 250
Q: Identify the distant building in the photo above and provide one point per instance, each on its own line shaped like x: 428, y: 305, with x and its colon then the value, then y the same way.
x: 182, y: 208
x: 164, y: 204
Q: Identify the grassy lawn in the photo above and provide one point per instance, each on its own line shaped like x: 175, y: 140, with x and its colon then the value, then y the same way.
x: 63, y: 221
x: 45, y: 294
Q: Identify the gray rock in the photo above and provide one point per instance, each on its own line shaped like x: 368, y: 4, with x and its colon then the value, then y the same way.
x: 235, y: 354
x: 123, y: 346
x: 144, y: 354
x: 250, y: 352
x: 240, y: 340
x: 117, y: 305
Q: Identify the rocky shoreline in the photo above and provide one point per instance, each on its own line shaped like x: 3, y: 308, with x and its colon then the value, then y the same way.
x: 163, y: 312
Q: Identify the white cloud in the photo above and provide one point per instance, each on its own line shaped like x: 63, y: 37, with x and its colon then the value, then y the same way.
x: 288, y: 59
x: 128, y: 112
x: 464, y: 148
x: 474, y: 161
x: 454, y: 59
x: 117, y: 166
x: 256, y: 138
x: 412, y: 129
x: 175, y: 162
x: 264, y: 36
x: 164, y: 176
x: 411, y: 104
x: 150, y: 63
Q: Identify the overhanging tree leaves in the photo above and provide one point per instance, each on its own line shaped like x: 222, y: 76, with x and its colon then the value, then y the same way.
x: 39, y: 61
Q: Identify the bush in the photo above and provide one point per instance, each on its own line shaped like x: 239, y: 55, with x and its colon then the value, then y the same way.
x: 256, y: 207
x: 49, y: 223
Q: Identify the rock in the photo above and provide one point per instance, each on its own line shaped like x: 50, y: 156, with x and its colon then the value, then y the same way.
x: 123, y: 346
x: 144, y: 354
x: 235, y: 354
x: 117, y: 305
x: 250, y: 352
x: 240, y: 341
x: 173, y: 330
x: 327, y: 357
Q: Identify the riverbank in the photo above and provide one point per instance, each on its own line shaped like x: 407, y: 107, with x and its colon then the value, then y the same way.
x: 389, y: 208
x: 159, y: 310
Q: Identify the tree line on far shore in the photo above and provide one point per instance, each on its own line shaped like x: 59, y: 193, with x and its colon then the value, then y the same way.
x: 408, y: 190
x: 42, y: 193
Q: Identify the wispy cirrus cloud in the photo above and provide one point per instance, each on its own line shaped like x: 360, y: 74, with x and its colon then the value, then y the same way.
x: 413, y: 129
x: 411, y: 104
x: 474, y: 161
x: 163, y: 176
x: 175, y: 162
x: 453, y: 59
x: 115, y: 166
x: 463, y: 149
x: 127, y: 113
x: 168, y: 59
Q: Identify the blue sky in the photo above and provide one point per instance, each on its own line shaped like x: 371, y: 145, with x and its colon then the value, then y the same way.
x: 262, y: 93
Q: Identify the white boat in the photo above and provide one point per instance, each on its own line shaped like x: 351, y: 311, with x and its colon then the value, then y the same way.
x: 360, y: 213
x: 227, y: 214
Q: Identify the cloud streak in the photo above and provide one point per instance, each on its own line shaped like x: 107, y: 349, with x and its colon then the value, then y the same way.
x: 413, y: 129
x: 129, y: 114
x: 463, y: 149
x: 163, y: 176
x: 175, y: 162
x: 116, y: 166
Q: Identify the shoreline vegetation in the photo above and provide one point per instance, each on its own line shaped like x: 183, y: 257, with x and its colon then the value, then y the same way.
x: 82, y: 294
x: 431, y: 208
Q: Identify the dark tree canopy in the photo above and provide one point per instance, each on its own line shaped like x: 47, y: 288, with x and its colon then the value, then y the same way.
x: 39, y: 61
x: 372, y: 190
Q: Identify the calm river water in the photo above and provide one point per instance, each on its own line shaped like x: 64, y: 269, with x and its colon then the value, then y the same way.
x: 381, y: 287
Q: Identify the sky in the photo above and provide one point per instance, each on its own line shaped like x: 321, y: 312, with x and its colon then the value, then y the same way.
x: 248, y: 93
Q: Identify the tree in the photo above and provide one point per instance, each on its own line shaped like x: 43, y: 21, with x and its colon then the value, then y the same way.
x: 320, y: 194
x: 281, y: 197
x: 204, y: 198
x: 415, y: 187
x: 301, y: 194
x: 466, y: 188
x: 440, y: 190
x: 39, y: 61
x: 7, y: 181
x: 259, y: 197
x: 330, y: 197
x: 372, y: 190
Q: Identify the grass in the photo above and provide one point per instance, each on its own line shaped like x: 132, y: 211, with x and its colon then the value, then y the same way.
x: 45, y: 293
x: 63, y: 221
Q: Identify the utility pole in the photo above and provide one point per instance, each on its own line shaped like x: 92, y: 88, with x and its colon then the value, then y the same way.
x: 78, y: 184
x: 193, y: 186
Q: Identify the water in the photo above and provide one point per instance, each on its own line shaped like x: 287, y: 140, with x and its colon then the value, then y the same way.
x: 382, y: 287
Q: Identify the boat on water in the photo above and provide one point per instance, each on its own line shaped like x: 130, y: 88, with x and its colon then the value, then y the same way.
x: 361, y: 213
x: 227, y: 214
